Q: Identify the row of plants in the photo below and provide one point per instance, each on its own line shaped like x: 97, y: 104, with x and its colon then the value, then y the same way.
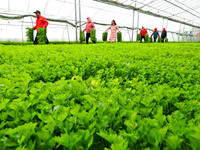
x: 126, y: 97
x: 42, y: 36
x: 105, y: 36
x: 51, y: 42
x: 31, y: 43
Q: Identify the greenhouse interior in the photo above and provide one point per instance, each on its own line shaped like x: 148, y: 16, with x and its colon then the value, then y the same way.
x: 99, y: 75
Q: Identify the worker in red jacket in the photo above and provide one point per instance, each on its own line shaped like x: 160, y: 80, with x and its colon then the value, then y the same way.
x: 41, y: 22
x: 143, y: 32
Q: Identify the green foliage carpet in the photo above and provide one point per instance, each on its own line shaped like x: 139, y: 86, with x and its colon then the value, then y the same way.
x: 120, y: 96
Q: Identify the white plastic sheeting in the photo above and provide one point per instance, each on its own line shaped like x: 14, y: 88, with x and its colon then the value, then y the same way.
x: 14, y: 30
x: 183, y: 10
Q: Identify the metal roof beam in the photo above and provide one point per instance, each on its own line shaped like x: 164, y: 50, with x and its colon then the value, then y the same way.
x: 118, y: 4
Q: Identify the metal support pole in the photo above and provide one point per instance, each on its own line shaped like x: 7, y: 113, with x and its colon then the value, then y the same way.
x: 68, y: 33
x: 124, y: 36
x: 167, y: 24
x: 76, y: 22
x: 129, y: 35
x: 46, y: 5
x: 183, y: 38
x: 173, y: 37
x: 28, y: 5
x: 22, y: 29
x: 32, y: 26
x: 192, y: 38
x: 179, y: 33
x: 64, y: 33
x: 32, y: 21
x: 162, y: 23
x: 192, y: 33
x: 133, y: 24
x: 199, y: 38
x: 138, y: 19
x: 80, y: 15
x: 9, y: 5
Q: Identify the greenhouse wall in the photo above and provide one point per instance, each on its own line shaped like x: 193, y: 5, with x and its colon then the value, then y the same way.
x: 102, y: 14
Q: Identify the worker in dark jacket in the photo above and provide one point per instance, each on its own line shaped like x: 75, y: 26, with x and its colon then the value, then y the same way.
x: 164, y: 35
x: 155, y: 34
x: 143, y: 32
x: 41, y: 22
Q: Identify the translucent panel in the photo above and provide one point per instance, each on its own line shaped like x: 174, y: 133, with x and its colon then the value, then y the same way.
x: 177, y: 9
x: 18, y: 5
x: 102, y: 14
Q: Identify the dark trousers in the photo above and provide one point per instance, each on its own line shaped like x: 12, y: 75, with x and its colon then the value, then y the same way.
x: 87, y: 38
x: 36, y: 40
x: 155, y: 39
x: 163, y: 40
x: 142, y: 37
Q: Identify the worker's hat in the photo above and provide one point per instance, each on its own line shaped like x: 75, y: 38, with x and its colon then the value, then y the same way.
x: 37, y: 11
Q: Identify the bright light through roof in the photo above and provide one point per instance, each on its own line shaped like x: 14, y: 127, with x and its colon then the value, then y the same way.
x: 99, y: 12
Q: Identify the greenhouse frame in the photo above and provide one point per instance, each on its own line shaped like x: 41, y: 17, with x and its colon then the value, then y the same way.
x: 180, y: 18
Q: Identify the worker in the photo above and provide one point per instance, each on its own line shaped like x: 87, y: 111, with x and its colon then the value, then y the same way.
x: 164, y: 35
x: 41, y: 22
x: 143, y: 32
x: 155, y: 34
x: 113, y: 34
x: 89, y: 26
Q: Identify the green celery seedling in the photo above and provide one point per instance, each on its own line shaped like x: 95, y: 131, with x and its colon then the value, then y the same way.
x: 119, y: 37
x: 139, y: 37
x: 105, y: 36
x: 147, y: 38
x: 41, y: 35
x: 30, y: 34
x: 82, y: 37
x: 93, y: 35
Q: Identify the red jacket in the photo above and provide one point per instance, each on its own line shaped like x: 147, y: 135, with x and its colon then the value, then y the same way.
x: 41, y: 22
x: 89, y: 25
x: 143, y: 32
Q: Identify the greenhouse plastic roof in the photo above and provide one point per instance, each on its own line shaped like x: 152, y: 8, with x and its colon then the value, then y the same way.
x: 16, y: 15
x: 183, y: 10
